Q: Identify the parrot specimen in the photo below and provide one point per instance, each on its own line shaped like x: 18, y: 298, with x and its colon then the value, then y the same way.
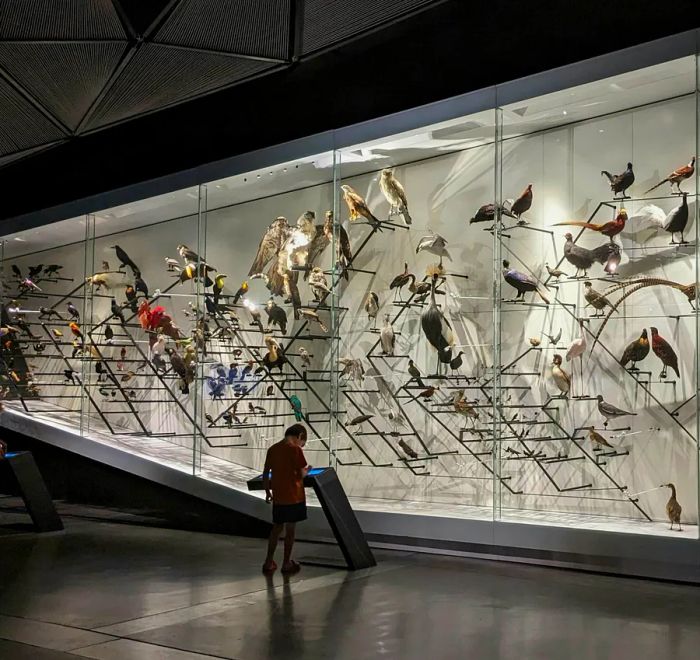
x: 609, y: 229
x: 675, y: 178
x: 620, y: 182
x: 296, y: 407
x: 636, y: 351
x: 394, y: 194
x: 358, y: 207
x: 662, y: 349
x: 521, y: 282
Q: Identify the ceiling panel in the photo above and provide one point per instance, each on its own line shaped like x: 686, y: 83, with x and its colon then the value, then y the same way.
x: 158, y: 76
x: 59, y: 19
x: 22, y: 126
x: 329, y: 21
x: 18, y: 155
x: 248, y: 27
x: 64, y: 77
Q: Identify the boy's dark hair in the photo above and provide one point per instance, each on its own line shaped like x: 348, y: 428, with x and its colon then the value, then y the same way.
x: 295, y: 430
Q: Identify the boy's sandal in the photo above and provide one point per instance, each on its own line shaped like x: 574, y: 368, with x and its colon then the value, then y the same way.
x: 269, y: 568
x: 292, y: 567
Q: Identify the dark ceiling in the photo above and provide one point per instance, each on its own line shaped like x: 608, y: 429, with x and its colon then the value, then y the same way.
x: 99, y: 94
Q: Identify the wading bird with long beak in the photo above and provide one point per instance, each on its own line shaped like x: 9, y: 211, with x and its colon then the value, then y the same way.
x: 437, y: 328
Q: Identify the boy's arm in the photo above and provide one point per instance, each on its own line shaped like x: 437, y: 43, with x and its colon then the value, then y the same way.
x: 303, y: 466
x: 266, y: 478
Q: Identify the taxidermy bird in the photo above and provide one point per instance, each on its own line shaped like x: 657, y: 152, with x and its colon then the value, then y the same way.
x: 609, y: 229
x: 636, y: 351
x: 394, y: 194
x: 17, y: 272
x: 578, y: 346
x: 583, y: 258
x: 358, y: 207
x: 598, y: 440
x: 535, y: 341
x: 609, y: 411
x: 131, y: 297
x: 594, y: 298
x: 52, y: 269
x: 179, y: 367
x: 311, y: 315
x: 296, y: 407
x: 28, y: 285
x: 125, y: 260
x: 620, y: 182
x: 117, y: 311
x: 675, y: 178
x: 217, y: 289
x: 352, y: 368
x: 305, y: 357
x: 172, y: 264
x: 192, y: 272
x: 46, y: 312
x: 662, y: 349
x: 428, y: 392
x: 140, y: 286
x: 359, y: 420
x: 420, y: 289
x: 437, y: 328
x: 276, y: 316
x: 673, y: 508
x: 435, y: 244
x: 554, y: 272
x: 561, y: 379
x: 342, y: 247
x: 522, y: 204
x: 456, y: 361
x: 98, y: 280
x: 254, y: 313
x: 387, y: 337
x: 463, y: 407
x: 75, y: 329
x: 73, y: 311
x: 521, y: 282
x: 291, y: 292
x: 318, y: 284
x: 242, y: 290
x: 411, y: 453
x: 400, y: 281
x: 188, y: 255
x: 487, y: 213
x: 414, y: 373
x: 677, y: 220
x: 271, y: 243
x: 275, y: 357
x: 372, y: 305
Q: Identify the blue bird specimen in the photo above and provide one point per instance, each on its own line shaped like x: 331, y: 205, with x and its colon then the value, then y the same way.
x: 296, y: 405
x: 220, y: 370
x: 521, y: 282
x: 232, y: 374
x: 217, y: 387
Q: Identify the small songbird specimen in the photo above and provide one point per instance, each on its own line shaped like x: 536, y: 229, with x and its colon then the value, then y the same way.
x: 677, y: 220
x: 172, y: 264
x: 387, y: 337
x: 305, y: 357
x: 296, y: 407
x: 28, y: 285
x: 400, y: 281
x: 318, y: 283
x: 276, y: 315
x: 435, y: 244
x: 675, y: 178
x: 535, y: 341
x: 463, y: 407
x: 411, y: 453
x: 521, y: 282
x: 673, y: 508
x: 47, y: 313
x: 141, y: 286
x: 620, y: 182
x: 125, y: 260
x: 522, y: 204
x: 415, y: 373
x: 75, y: 329
x: 372, y: 306
x: 554, y: 339
x: 313, y: 316
x: 609, y: 229
x: 394, y: 194
x: 359, y: 420
x: 583, y: 258
x: 456, y: 361
x: 554, y: 272
x: 595, y: 299
x: 636, y: 351
x: 427, y: 393
x: 662, y: 349
x: 109, y: 334
x: 487, y: 213
x: 131, y: 298
x: 561, y: 379
x: 609, y: 411
x: 105, y: 265
x: 358, y: 207
x: 73, y: 311
x: 52, y: 269
x: 598, y: 440
x: 117, y: 311
x: 437, y: 328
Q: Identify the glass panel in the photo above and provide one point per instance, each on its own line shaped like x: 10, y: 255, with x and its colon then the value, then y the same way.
x: 575, y: 166
x: 416, y: 424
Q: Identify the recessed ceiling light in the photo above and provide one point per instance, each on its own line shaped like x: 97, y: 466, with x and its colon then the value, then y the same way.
x: 601, y: 130
x: 564, y: 112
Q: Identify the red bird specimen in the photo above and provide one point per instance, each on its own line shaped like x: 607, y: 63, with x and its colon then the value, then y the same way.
x: 610, y: 229
x: 681, y: 174
x: 664, y: 352
x: 522, y: 204
x: 156, y: 321
x: 75, y: 329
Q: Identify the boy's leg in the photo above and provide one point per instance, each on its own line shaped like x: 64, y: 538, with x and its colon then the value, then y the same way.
x: 272, y: 542
x: 289, y: 542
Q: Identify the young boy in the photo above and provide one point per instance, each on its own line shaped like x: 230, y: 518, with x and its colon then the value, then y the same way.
x: 284, y: 472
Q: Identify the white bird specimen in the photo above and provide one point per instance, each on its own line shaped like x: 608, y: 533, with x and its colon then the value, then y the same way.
x: 387, y: 336
x: 435, y: 244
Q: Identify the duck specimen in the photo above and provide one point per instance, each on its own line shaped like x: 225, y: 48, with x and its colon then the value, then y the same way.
x: 583, y: 258
x: 609, y: 229
x: 387, y: 338
x: 400, y: 281
x: 598, y: 440
x: 675, y: 178
x: 609, y: 411
x: 394, y: 194
x: 673, y: 508
x: 554, y: 272
x: 415, y: 373
x: 636, y: 351
x: 411, y: 453
x: 521, y: 282
x: 372, y: 306
x: 620, y: 182
x: 435, y: 244
x: 522, y: 204
x: 358, y: 207
x: 561, y: 379
x: 437, y: 328
x: 662, y: 349
x: 594, y: 298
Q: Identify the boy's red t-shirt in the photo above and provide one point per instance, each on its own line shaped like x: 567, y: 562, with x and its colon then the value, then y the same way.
x: 286, y: 462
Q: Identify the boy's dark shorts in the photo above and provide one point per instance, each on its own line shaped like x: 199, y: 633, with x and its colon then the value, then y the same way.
x: 288, y: 513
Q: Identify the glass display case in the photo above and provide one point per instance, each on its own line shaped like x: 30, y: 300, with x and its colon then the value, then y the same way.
x: 491, y: 318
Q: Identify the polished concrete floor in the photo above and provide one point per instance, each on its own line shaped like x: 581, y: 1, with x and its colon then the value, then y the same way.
x: 107, y: 590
